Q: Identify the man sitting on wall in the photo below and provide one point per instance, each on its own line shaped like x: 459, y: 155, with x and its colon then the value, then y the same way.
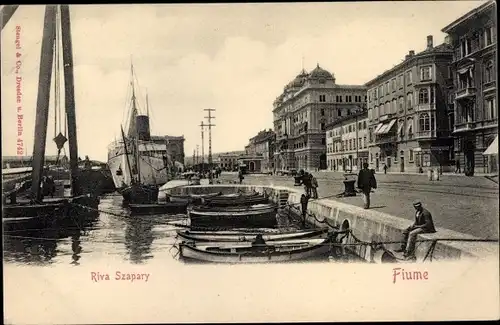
x: 423, y: 224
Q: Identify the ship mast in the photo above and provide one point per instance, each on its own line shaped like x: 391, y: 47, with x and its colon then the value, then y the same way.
x: 135, y: 130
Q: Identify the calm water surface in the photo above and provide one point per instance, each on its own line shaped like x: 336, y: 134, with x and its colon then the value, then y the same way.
x: 87, y: 238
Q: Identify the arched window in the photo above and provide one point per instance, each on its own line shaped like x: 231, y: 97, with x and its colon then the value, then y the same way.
x: 409, y: 100
x: 423, y: 96
x: 424, y: 122
x: 401, y: 103
x: 409, y: 127
x: 394, y: 108
x: 488, y: 72
x: 387, y: 107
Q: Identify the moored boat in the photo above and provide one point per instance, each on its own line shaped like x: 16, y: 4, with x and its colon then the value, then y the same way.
x: 167, y: 207
x: 191, y: 198
x: 237, y: 199
x: 216, y: 236
x: 255, y: 216
x: 232, y: 253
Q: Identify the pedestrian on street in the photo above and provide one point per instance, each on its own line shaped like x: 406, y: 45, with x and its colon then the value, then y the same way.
x: 385, y: 169
x: 240, y: 176
x: 423, y: 224
x: 303, y: 202
x: 314, y: 187
x: 366, y: 181
x: 457, y: 167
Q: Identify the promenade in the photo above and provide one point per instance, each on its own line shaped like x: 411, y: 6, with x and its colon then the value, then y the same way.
x: 464, y: 204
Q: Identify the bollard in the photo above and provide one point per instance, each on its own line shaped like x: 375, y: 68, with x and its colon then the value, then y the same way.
x: 429, y: 174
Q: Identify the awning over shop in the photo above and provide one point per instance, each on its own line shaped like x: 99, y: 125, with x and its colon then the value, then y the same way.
x: 386, y: 127
x: 378, y: 128
x: 400, y: 129
x: 464, y: 70
x: 493, y: 148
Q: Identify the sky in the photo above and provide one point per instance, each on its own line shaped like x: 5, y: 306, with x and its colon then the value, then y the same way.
x: 234, y: 58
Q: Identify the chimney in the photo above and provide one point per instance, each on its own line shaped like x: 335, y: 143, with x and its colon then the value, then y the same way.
x: 411, y: 53
x: 429, y: 42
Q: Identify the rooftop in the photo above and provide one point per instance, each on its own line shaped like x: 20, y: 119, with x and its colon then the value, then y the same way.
x: 471, y: 14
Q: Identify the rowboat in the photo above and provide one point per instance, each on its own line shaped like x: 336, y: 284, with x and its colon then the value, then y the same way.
x: 167, y: 207
x: 237, y: 199
x: 216, y: 236
x: 282, y: 251
x: 191, y: 198
x: 255, y: 216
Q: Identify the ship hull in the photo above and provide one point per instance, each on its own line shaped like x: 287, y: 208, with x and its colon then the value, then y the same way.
x: 152, y: 170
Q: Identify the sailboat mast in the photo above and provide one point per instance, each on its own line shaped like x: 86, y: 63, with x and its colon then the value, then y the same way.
x: 126, y: 155
x: 134, y: 115
x: 147, y: 105
x: 69, y: 99
x: 43, y: 98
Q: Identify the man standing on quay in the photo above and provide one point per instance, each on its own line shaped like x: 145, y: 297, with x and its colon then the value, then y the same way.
x: 423, y: 224
x: 366, y: 181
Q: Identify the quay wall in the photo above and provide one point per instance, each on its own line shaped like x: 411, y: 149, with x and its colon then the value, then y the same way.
x: 366, y: 225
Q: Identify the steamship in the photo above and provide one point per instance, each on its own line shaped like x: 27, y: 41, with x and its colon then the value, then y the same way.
x: 138, y: 165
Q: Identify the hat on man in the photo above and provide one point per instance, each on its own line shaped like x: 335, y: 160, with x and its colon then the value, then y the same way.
x: 417, y: 204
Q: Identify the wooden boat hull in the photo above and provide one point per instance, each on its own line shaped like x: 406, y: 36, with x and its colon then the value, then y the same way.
x: 214, y: 236
x: 168, y: 207
x: 192, y: 198
x: 139, y: 194
x: 287, y: 252
x: 236, y: 200
x: 251, y: 217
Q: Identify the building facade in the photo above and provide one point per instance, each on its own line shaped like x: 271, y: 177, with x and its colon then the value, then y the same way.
x: 473, y: 37
x: 261, y: 149
x: 301, y: 113
x: 409, y: 115
x: 347, y: 142
x: 174, y: 145
x: 228, y: 161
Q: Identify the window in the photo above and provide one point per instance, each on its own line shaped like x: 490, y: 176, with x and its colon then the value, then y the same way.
x: 490, y: 109
x: 387, y: 90
x: 410, y: 155
x: 488, y: 72
x: 366, y: 98
x: 401, y: 129
x: 432, y: 95
x: 322, y: 98
x: 348, y: 112
x: 401, y: 81
x: 364, y: 141
x: 360, y: 145
x: 339, y: 113
x: 359, y: 125
x: 423, y: 96
x: 322, y: 126
x: 394, y: 107
x: 408, y: 77
x: 381, y: 91
x: 409, y: 123
x: 409, y: 100
x: 381, y: 110
x: 393, y: 84
x: 488, y: 36
x: 426, y: 73
x: 375, y: 93
x: 349, y: 128
x: 322, y: 112
x: 465, y: 47
x: 348, y: 99
x: 370, y: 112
x: 323, y: 141
x: 401, y: 104
x: 424, y: 122
x: 364, y: 125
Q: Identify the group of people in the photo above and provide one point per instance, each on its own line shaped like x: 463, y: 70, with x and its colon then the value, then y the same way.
x: 366, y: 182
x: 48, y: 186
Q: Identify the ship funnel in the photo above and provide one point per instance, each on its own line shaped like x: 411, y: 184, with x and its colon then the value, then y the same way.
x: 142, y: 125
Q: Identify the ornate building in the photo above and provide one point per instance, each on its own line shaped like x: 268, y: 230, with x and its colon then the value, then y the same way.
x: 409, y: 114
x: 473, y: 37
x: 347, y: 142
x: 301, y: 113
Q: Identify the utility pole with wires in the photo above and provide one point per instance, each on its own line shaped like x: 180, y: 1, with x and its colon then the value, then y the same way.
x: 202, y: 147
x: 210, y: 117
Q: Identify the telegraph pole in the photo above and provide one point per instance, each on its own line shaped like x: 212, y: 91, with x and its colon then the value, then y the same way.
x: 210, y: 117
x: 202, y: 148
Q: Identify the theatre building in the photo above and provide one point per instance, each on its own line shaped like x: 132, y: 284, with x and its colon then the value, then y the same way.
x: 409, y: 115
x: 474, y: 66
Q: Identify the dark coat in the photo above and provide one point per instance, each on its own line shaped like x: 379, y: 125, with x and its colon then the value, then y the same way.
x: 424, y: 219
x: 366, y: 180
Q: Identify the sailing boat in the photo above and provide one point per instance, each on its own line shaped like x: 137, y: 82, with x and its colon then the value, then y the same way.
x: 138, y: 165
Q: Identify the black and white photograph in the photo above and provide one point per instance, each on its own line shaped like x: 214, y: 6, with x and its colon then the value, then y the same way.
x: 250, y: 162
